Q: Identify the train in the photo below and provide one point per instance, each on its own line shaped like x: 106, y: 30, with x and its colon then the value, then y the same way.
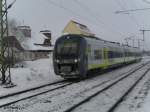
x: 74, y: 55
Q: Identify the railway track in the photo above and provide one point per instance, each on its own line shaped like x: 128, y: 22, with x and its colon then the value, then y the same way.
x: 29, y: 93
x: 54, y: 86
x: 114, y: 106
x: 118, y: 102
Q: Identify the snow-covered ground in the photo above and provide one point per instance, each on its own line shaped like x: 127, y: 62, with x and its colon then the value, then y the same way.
x: 33, y: 74
x: 40, y: 72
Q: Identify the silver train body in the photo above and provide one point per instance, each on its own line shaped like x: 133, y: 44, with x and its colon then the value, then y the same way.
x: 75, y: 55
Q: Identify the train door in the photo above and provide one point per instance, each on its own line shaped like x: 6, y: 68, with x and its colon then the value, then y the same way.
x: 105, y: 57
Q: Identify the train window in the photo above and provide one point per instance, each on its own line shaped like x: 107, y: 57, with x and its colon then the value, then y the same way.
x: 110, y: 54
x: 116, y: 55
x: 89, y: 48
x: 89, y: 53
x: 120, y: 54
x: 126, y: 54
x: 113, y: 54
x: 97, y: 54
x: 67, y: 48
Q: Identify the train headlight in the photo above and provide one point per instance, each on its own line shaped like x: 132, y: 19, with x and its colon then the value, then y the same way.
x: 75, y: 60
x: 57, y: 61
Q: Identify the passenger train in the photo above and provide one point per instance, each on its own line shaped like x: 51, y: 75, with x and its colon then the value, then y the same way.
x: 74, y: 55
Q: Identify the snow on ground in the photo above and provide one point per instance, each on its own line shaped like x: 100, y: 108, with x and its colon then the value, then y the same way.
x: 61, y: 99
x: 33, y: 74
x: 135, y: 100
x: 40, y: 72
x: 104, y: 101
x: 146, y: 105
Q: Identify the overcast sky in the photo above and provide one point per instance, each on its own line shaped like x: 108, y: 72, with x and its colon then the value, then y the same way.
x: 98, y: 15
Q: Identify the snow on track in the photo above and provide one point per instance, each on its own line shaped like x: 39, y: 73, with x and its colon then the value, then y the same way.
x: 104, y: 101
x: 61, y: 99
x: 34, y: 74
x: 135, y: 101
x: 15, y: 97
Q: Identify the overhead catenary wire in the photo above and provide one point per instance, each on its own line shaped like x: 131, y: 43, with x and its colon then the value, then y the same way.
x: 128, y: 11
x: 135, y: 20
x: 71, y: 12
x: 81, y: 16
x: 131, y: 10
x: 125, y: 11
x: 146, y: 1
x: 64, y: 8
x: 97, y: 18
x: 131, y: 17
x: 144, y: 44
x: 135, y: 10
x: 141, y: 17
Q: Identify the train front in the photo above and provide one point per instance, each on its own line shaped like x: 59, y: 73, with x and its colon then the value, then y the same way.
x: 69, y: 56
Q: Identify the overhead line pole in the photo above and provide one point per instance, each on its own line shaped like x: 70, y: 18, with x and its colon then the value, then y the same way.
x: 143, y: 33
x: 139, y: 42
x: 4, y: 42
x: 3, y: 35
x: 130, y: 38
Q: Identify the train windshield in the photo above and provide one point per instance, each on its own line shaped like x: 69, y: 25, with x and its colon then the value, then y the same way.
x: 68, y: 47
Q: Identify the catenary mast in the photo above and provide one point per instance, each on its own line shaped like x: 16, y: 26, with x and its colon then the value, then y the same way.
x: 4, y: 46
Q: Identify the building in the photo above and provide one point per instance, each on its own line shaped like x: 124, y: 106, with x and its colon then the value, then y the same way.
x: 47, y: 38
x: 38, y: 46
x: 27, y: 47
x: 25, y: 30
x: 15, y: 49
x: 74, y: 27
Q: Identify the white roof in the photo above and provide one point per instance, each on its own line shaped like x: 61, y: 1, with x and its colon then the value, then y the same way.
x: 37, y: 38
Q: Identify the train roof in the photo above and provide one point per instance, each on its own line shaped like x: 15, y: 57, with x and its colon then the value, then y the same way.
x: 106, y: 42
x: 84, y: 36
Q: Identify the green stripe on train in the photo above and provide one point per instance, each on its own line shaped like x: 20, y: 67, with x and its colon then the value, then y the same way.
x: 94, y: 66
x: 103, y: 65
